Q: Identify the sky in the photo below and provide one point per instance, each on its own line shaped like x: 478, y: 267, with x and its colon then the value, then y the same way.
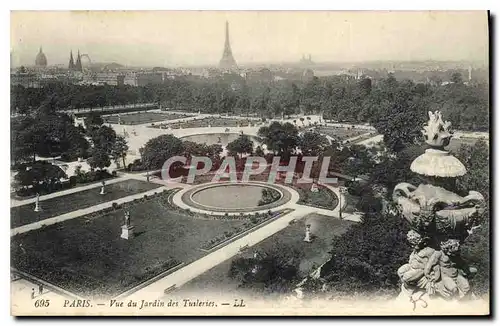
x: 176, y: 38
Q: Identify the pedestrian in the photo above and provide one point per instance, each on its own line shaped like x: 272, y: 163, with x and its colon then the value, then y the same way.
x: 32, y: 293
x: 40, y: 289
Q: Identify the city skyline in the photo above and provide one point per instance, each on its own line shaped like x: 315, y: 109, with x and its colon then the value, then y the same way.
x: 197, y: 38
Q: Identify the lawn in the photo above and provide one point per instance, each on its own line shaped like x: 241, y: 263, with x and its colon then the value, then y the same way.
x: 22, y: 215
x: 216, y: 281
x: 87, y: 256
x: 456, y: 143
x: 342, y: 133
x: 143, y: 117
x: 324, y: 198
x: 212, y: 122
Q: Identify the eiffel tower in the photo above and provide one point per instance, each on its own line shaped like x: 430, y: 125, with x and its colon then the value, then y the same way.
x: 227, y: 61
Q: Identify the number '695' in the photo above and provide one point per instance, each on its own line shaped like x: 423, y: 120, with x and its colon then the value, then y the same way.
x: 42, y: 303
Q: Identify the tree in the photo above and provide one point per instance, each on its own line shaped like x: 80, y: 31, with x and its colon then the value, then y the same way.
x: 99, y: 158
x: 456, y: 78
x: 280, y: 138
x: 40, y: 174
x: 366, y: 258
x: 272, y: 271
x: 26, y: 136
x: 93, y: 119
x: 476, y: 252
x: 259, y: 151
x: 313, y: 143
x: 243, y: 144
x: 47, y: 134
x: 104, y: 138
x: 365, y: 87
x: 476, y: 159
x: 401, y: 125
x: 360, y: 161
x: 119, y: 149
x: 160, y: 149
x: 393, y: 169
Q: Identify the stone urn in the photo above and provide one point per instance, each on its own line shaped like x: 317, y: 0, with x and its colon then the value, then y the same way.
x: 440, y: 221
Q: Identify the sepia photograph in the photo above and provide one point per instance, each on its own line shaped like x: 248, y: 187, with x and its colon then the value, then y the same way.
x: 250, y: 163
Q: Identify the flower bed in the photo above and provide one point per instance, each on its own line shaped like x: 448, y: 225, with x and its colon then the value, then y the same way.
x: 255, y: 220
x: 115, y: 206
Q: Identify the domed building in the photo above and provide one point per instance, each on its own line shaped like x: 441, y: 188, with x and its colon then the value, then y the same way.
x: 41, y: 59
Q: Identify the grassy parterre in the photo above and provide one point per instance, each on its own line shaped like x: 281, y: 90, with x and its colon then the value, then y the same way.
x: 323, y: 228
x: 86, y: 256
x: 142, y: 117
x: 25, y: 214
x: 342, y: 133
x: 323, y: 198
x: 211, y: 121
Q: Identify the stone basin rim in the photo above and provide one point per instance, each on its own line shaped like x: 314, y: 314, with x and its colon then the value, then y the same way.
x: 225, y: 184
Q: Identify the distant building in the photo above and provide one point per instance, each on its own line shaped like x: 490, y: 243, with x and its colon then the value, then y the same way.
x: 264, y: 75
x: 102, y: 78
x: 71, y: 65
x: 78, y: 65
x: 305, y: 62
x: 120, y: 80
x: 227, y: 61
x: 25, y: 79
x: 41, y: 59
x: 144, y: 79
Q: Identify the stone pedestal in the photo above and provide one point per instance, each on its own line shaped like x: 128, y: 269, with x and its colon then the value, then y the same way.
x: 37, y: 207
x: 127, y: 232
x: 314, y: 188
x: 103, y: 192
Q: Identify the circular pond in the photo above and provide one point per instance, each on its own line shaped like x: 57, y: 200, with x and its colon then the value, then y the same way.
x: 232, y: 197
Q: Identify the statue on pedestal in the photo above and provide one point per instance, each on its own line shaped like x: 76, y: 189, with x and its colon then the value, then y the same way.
x: 307, y: 238
x: 440, y: 221
x: 37, y: 203
x: 103, y: 191
x: 127, y: 218
x: 127, y: 228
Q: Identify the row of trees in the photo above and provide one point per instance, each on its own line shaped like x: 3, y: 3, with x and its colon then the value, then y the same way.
x: 47, y: 133
x: 281, y: 139
x: 337, y: 98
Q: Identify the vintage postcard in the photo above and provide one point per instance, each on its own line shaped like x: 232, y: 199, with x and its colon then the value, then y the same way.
x: 249, y: 163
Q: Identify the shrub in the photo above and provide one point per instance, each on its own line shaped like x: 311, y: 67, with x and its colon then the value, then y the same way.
x: 73, y: 180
